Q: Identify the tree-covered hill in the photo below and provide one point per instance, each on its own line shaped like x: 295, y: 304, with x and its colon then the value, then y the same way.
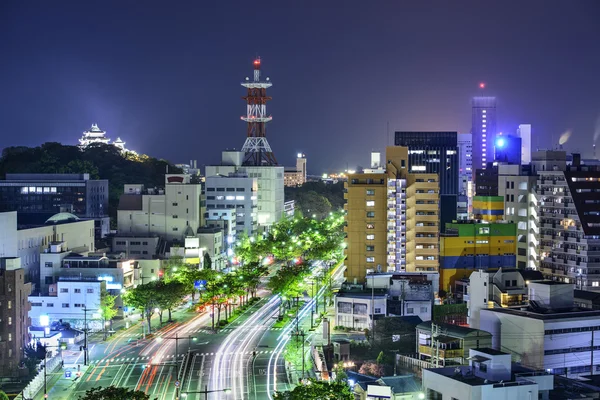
x: 101, y: 161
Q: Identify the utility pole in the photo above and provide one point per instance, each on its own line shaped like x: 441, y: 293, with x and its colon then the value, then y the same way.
x: 85, y: 333
x: 592, y: 354
x: 435, y: 332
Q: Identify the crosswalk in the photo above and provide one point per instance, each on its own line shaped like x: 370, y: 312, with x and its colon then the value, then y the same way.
x: 170, y: 356
x: 223, y: 330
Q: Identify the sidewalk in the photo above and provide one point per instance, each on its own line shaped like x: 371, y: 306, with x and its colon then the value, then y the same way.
x: 61, y: 387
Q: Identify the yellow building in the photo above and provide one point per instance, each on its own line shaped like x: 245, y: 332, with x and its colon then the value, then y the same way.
x: 488, y: 208
x: 392, y: 219
x: 468, y: 246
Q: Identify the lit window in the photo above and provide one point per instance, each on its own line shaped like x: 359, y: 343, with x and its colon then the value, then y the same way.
x: 483, y: 145
x: 483, y: 125
x: 418, y: 168
x: 483, y: 111
x: 229, y: 197
x: 220, y: 197
x: 239, y: 197
x: 371, y: 203
x: 484, y: 130
x: 484, y: 135
x: 484, y: 121
x: 483, y: 140
x: 370, y: 259
x: 371, y: 237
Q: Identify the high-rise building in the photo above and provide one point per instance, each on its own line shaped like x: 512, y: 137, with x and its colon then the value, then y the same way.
x: 296, y: 176
x: 465, y: 163
x: 507, y: 149
x: 392, y: 219
x: 483, y: 129
x: 486, y: 180
x: 569, y: 221
x: 14, y: 309
x: 435, y: 153
x: 524, y: 132
x: 516, y: 184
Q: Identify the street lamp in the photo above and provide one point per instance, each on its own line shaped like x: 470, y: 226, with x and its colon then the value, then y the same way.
x: 177, y: 339
x: 46, y: 347
x: 85, y: 332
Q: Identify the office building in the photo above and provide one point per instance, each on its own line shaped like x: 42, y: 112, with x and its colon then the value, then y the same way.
x: 435, y: 153
x: 548, y: 160
x: 486, y: 181
x: 235, y: 191
x: 465, y: 163
x: 172, y: 213
x: 14, y: 317
x: 48, y: 194
x: 490, y: 375
x: 524, y: 132
x: 392, y: 219
x: 269, y: 188
x: 550, y: 334
x: 483, y: 130
x: 211, y: 241
x: 489, y: 208
x: 139, y: 247
x: 468, y: 246
x: 569, y: 221
x: 226, y: 221
x: 507, y: 149
x: 28, y: 242
x: 296, y: 176
x: 516, y: 184
x: 506, y: 287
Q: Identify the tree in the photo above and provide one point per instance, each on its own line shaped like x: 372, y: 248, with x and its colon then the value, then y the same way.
x: 372, y: 369
x: 144, y: 298
x: 169, y: 295
x: 114, y: 393
x: 188, y: 275
x: 207, y: 261
x: 107, y: 308
x: 313, y: 389
x: 3, y: 395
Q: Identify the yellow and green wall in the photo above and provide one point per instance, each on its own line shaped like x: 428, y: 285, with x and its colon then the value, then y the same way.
x: 488, y: 208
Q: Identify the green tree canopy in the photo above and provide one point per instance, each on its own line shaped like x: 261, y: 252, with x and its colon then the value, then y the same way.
x: 207, y: 261
x: 114, y: 393
x: 317, y: 390
x: 3, y: 395
x: 107, y: 308
x: 143, y: 297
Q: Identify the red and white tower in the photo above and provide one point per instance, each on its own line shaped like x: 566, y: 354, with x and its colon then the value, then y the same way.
x: 257, y: 149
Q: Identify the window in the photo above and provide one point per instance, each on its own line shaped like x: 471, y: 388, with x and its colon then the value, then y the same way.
x: 370, y: 203
x: 239, y: 197
x: 9, y: 304
x: 90, y: 291
x: 370, y: 248
x: 370, y: 259
x: 174, y: 216
x: 512, y: 185
x: 175, y: 229
x: 64, y: 290
x: 484, y: 231
x: 49, y: 264
x: 370, y: 226
x: 174, y: 204
x: 49, y: 304
x: 65, y: 305
x: 410, y: 310
x: 370, y: 214
x: 10, y: 337
x: 36, y: 304
x: 423, y: 309
x: 77, y: 290
x: 377, y: 310
x: 370, y: 237
x: 370, y: 192
x: 240, y: 189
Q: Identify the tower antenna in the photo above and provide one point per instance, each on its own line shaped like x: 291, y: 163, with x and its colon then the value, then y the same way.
x: 257, y: 148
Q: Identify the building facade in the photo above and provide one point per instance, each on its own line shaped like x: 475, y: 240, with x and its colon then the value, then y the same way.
x: 14, y: 318
x: 138, y: 247
x: 296, y: 176
x: 524, y: 132
x: 28, y: 243
x: 468, y: 246
x: 486, y: 181
x: 237, y: 192
x: 569, y: 221
x: 483, y: 130
x: 172, y: 213
x: 465, y: 163
x: 392, y: 219
x: 269, y: 179
x: 516, y: 184
x: 49, y: 194
x: 489, y: 208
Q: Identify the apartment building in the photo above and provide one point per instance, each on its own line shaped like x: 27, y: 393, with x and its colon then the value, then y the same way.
x: 14, y: 319
x: 296, y: 176
x: 392, y: 219
x: 569, y: 221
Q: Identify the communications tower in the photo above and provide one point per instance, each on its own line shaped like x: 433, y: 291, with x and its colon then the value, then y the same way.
x: 257, y: 149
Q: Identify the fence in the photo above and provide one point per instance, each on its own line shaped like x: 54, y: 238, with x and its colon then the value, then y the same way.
x: 413, y: 362
x: 52, y: 364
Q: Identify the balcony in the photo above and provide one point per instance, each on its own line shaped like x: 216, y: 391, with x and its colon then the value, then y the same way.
x: 425, y: 240
x: 428, y: 229
x: 452, y: 353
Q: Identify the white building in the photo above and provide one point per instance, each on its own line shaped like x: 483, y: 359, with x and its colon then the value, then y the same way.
x: 550, y: 334
x: 490, y: 376
x: 66, y: 301
x: 270, y: 192
x: 465, y: 163
x: 211, y: 241
x: 296, y: 176
x: 503, y: 288
x: 516, y: 184
x: 235, y: 191
x: 172, y: 213
x: 524, y: 132
x: 28, y: 243
x: 355, y: 309
x: 226, y: 220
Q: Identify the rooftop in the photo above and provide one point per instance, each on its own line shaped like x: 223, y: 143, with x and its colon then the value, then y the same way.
x: 401, y: 383
x: 548, y: 314
x: 587, y: 295
x: 464, y: 374
x: 490, y: 351
x: 62, y: 218
x: 453, y: 330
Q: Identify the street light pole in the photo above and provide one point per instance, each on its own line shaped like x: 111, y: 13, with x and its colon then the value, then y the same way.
x: 206, y: 392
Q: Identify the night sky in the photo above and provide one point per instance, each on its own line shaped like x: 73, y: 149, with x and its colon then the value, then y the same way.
x: 164, y: 76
